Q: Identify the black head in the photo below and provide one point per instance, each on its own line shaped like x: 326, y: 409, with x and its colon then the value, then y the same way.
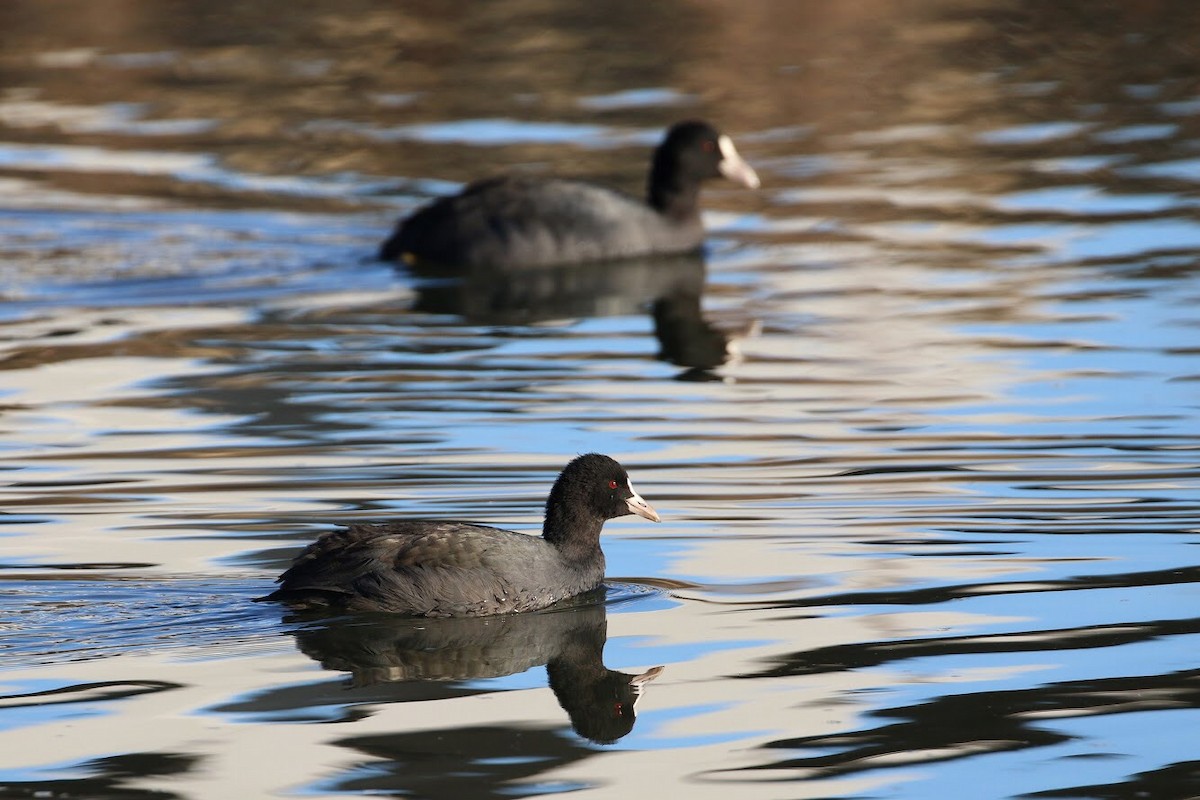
x: 594, y: 488
x: 692, y: 152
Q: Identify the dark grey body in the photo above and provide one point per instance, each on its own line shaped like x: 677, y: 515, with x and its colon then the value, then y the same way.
x: 515, y: 222
x: 433, y: 568
x: 437, y: 569
x: 529, y: 222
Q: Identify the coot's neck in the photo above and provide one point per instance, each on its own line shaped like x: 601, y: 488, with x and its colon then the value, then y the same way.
x: 576, y: 535
x: 669, y: 192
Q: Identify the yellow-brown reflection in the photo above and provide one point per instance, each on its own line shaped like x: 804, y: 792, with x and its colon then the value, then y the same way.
x: 263, y: 71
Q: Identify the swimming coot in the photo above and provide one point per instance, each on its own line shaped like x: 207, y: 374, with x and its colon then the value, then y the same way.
x: 458, y: 569
x: 531, y: 222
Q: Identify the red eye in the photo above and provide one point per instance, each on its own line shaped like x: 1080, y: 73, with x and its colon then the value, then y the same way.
x: 612, y: 484
x: 708, y: 145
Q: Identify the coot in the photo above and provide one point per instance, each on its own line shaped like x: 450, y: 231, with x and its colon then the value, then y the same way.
x: 437, y: 568
x: 531, y: 222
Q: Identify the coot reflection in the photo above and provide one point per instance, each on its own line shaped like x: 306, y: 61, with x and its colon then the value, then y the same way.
x: 670, y: 288
x: 569, y: 641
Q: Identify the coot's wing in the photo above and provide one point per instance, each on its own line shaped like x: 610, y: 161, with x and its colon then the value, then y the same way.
x: 524, y: 222
x: 488, y: 571
x: 421, y: 567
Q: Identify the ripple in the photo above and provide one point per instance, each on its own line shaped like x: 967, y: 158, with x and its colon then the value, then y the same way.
x: 934, y: 527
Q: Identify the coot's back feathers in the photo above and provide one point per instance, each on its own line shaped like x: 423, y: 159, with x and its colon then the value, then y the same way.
x: 530, y: 222
x: 453, y: 569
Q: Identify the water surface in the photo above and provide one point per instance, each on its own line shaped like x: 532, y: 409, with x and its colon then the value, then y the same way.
x: 929, y: 528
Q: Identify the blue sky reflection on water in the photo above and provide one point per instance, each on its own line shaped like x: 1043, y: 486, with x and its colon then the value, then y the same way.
x: 1115, y: 240
x: 1087, y: 765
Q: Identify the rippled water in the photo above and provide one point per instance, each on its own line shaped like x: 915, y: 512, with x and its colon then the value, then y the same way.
x: 930, y: 526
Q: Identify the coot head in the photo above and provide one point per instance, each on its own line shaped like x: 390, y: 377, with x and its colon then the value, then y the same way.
x: 591, y: 489
x: 692, y: 152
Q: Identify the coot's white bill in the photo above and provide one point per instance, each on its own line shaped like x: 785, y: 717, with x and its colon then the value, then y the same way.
x: 640, y: 507
x: 733, y: 167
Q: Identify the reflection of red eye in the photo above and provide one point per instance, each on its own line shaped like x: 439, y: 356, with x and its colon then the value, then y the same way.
x: 612, y: 484
x: 708, y: 145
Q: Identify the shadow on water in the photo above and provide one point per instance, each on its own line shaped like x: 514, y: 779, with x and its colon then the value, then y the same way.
x: 671, y: 288
x: 396, y: 659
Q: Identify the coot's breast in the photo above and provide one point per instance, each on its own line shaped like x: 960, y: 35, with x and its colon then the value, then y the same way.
x: 525, y: 222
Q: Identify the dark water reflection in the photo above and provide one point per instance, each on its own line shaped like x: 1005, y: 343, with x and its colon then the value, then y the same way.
x: 113, y: 777
x: 932, y: 534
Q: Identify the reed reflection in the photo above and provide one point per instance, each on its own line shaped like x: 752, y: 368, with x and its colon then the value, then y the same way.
x: 380, y: 649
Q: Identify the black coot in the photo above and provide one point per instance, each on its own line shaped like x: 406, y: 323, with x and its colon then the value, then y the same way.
x: 532, y: 222
x: 458, y: 569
